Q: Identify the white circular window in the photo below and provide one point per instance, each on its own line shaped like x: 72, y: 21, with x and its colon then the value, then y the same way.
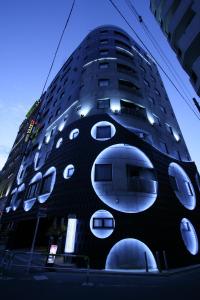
x: 103, y: 131
x: 123, y: 177
x: 189, y: 236
x: 182, y: 186
x: 130, y: 254
x: 150, y: 117
x: 102, y: 224
x: 74, y: 133
x: 68, y: 171
x: 59, y: 143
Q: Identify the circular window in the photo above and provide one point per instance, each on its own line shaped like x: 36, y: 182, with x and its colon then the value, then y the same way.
x: 189, y: 236
x: 123, y: 177
x: 32, y: 191
x: 182, y: 186
x: 130, y: 254
x: 103, y: 131
x: 47, y: 138
x: 102, y: 224
x: 59, y: 143
x: 68, y: 171
x: 73, y: 134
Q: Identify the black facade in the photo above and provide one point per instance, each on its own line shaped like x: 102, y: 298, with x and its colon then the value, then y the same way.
x: 109, y: 164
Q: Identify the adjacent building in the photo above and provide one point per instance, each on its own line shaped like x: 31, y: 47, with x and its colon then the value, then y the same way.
x: 180, y: 22
x: 108, y: 169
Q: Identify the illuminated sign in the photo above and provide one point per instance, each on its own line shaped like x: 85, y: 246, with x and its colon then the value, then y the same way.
x: 71, y: 235
x: 30, y: 129
x: 33, y: 108
x: 52, y: 252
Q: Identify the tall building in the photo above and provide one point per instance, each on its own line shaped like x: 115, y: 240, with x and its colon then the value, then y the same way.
x: 109, y: 165
x: 180, y: 22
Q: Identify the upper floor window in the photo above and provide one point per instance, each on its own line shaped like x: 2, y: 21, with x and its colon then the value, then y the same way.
x: 103, y: 65
x: 127, y: 84
x: 121, y: 35
x: 104, y: 82
x: 103, y: 132
x: 163, y: 109
x: 157, y: 92
x: 146, y: 83
x: 104, y: 103
x: 104, y: 42
x: 103, y: 172
x: 123, y: 45
x: 151, y: 100
x: 62, y: 95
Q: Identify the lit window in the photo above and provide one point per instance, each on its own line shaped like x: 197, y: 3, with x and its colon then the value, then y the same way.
x: 103, y: 132
x: 46, y: 184
x: 103, y: 103
x: 103, y: 223
x: 103, y: 65
x: 188, y: 188
x: 74, y: 133
x: 103, y: 172
x: 103, y: 82
x: 68, y: 172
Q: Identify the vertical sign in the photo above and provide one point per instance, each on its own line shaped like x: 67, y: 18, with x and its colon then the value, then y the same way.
x: 70, y: 235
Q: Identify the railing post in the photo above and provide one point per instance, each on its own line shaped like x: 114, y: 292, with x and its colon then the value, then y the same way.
x: 146, y: 262
x: 165, y: 260
x: 158, y: 261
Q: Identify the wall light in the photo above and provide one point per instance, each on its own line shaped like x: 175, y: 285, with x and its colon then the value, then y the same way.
x: 70, y: 235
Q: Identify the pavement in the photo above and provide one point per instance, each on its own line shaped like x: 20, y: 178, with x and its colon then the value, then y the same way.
x: 76, y: 284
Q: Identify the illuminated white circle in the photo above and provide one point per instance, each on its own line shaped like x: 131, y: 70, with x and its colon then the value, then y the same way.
x: 120, y: 189
x: 59, y: 143
x: 182, y: 186
x: 130, y: 254
x: 47, y: 137
x: 73, y: 134
x: 68, y: 171
x: 103, y: 131
x: 102, y: 224
x: 189, y: 236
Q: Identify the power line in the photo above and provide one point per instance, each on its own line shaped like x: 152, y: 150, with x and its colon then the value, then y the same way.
x: 58, y: 46
x: 159, y: 49
x: 113, y: 4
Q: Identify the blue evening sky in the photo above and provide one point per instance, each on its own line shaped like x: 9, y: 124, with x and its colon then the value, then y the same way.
x: 29, y: 32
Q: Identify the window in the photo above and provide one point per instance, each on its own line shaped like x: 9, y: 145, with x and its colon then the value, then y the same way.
x: 164, y: 147
x: 103, y: 132
x: 121, y: 35
x: 62, y: 95
x: 104, y: 223
x: 68, y: 171
x: 174, y: 183
x: 157, y: 92
x: 103, y: 82
x: 33, y: 190
x: 157, y: 120
x: 122, y: 44
x: 125, y: 69
x: 105, y: 103
x: 146, y: 83
x: 127, y: 84
x: 142, y: 69
x: 46, y: 184
x: 163, y: 109
x: 103, y: 172
x: 58, y: 112
x: 124, y: 54
x: 103, y: 65
x: 151, y: 100
x: 103, y: 52
x: 188, y: 188
x: 104, y: 42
